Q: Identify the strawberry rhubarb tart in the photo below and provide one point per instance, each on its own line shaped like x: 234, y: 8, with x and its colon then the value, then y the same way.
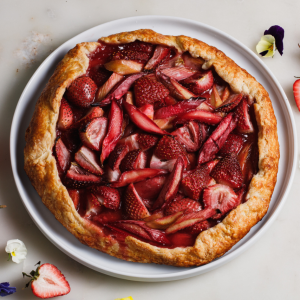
x: 153, y: 148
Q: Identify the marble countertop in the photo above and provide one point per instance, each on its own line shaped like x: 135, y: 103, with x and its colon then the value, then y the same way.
x: 30, y: 31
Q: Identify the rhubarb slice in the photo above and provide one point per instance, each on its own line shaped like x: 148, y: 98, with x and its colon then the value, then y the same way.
x: 178, y: 73
x: 230, y: 103
x: 200, y: 116
x: 88, y: 160
x: 165, y: 222
x: 159, y: 54
x: 107, y: 86
x: 124, y: 67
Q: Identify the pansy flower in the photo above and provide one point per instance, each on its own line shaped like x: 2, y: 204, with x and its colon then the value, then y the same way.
x: 6, y: 290
x: 271, y: 41
x: 16, y: 250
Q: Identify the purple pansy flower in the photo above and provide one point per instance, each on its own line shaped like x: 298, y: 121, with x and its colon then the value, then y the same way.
x: 278, y: 33
x: 6, y: 290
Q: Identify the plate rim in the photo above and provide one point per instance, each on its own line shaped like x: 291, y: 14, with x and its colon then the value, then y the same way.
x: 189, y: 272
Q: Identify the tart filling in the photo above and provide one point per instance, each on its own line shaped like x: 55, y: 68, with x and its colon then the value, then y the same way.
x: 151, y: 145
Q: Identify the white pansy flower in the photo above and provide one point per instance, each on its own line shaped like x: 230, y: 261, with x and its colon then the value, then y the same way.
x: 17, y: 250
x: 266, y: 46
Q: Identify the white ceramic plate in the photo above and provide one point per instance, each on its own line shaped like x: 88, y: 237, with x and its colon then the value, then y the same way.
x: 104, y: 263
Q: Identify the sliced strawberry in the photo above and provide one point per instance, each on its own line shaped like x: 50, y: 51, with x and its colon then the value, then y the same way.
x: 231, y: 102
x: 107, y: 196
x: 150, y: 188
x: 115, y: 119
x: 93, y: 133
x: 244, y: 123
x: 168, y: 148
x: 82, y: 91
x: 199, y: 227
x: 135, y: 159
x: 165, y: 124
x: 159, y: 54
x: 190, y: 219
x: 228, y: 171
x: 133, y: 228
x: 199, y: 83
x: 181, y: 239
x: 111, y: 175
x: 131, y: 141
x: 124, y: 67
x: 137, y: 175
x: 88, y: 160
x: 94, y: 112
x: 178, y: 108
x: 244, y: 159
x: 200, y: 116
x: 178, y: 73
x: 157, y: 163
x: 125, y: 123
x: 141, y: 120
x: 93, y: 206
x: 147, y: 141
x: 233, y: 144
x: 63, y: 155
x: 185, y: 205
x: 147, y: 110
x: 134, y: 206
x: 192, y: 62
x: 165, y: 222
x: 217, y: 139
x: 120, y: 89
x: 189, y: 136
x: 171, y: 185
x: 117, y: 155
x: 149, y: 91
x: 193, y: 184
x: 75, y: 196
x: 108, y: 85
x: 99, y: 75
x: 66, y: 117
x: 78, y: 178
x: 296, y: 90
x: 171, y: 60
x: 215, y: 99
x: 108, y: 216
x: 47, y: 282
x: 221, y: 198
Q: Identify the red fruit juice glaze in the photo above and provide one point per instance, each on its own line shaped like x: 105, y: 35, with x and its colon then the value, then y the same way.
x: 183, y: 238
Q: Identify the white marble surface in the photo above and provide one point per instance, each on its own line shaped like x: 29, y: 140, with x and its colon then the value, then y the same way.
x: 268, y: 270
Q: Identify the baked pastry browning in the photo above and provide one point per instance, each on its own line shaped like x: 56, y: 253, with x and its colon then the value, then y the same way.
x: 41, y: 165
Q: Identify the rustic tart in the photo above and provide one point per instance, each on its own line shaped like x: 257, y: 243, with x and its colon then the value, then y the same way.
x: 153, y: 148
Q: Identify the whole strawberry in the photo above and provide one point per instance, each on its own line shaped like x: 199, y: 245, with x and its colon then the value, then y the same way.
x: 149, y: 91
x: 47, y: 282
x: 82, y: 91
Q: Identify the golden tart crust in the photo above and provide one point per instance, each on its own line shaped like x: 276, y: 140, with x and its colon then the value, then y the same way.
x: 40, y: 164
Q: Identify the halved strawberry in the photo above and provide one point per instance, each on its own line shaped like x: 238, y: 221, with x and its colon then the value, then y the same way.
x: 231, y: 102
x: 178, y: 73
x: 157, y: 163
x: 244, y: 123
x: 88, y: 160
x: 115, y: 119
x: 198, y: 227
x: 131, y: 141
x: 108, y: 216
x: 233, y: 144
x: 185, y: 205
x: 220, y: 197
x: 150, y: 188
x: 93, y: 133
x: 47, y: 282
x: 124, y: 67
x: 107, y: 196
x: 141, y: 120
x: 296, y: 90
x: 178, y: 108
x: 194, y: 63
x: 228, y: 171
x: 75, y: 196
x: 66, y: 117
x: 134, y: 205
x: 147, y: 110
x: 108, y: 86
x: 63, y: 155
x: 159, y: 54
x: 200, y: 116
x: 217, y: 139
x: 199, y: 83
x: 147, y: 141
x: 135, y: 159
x: 171, y: 185
x: 82, y: 91
x: 77, y: 177
x: 149, y: 91
x: 117, y: 155
x: 93, y: 206
x: 94, y: 112
x: 120, y: 89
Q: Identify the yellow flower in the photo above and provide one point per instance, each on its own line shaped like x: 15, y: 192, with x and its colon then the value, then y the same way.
x: 266, y: 46
x: 127, y: 298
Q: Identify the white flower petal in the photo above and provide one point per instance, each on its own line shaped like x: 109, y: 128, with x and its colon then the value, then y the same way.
x: 17, y: 249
